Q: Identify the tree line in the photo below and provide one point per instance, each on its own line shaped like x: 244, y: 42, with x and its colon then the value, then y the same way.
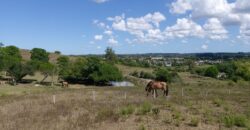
x: 92, y: 70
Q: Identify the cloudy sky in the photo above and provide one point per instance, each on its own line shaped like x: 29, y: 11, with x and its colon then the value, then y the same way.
x: 129, y: 26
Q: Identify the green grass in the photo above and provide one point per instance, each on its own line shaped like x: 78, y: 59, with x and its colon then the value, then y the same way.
x: 234, y: 120
x: 128, y: 110
x: 144, y: 108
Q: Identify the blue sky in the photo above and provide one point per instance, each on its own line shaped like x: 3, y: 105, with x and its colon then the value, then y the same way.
x: 129, y: 26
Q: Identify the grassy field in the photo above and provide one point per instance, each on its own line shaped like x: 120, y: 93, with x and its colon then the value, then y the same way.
x: 197, y: 103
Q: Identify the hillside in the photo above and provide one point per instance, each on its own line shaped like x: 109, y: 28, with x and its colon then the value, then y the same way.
x: 26, y: 55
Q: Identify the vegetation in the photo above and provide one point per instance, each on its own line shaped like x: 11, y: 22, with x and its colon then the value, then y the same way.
x: 211, y: 72
x: 163, y: 74
x: 110, y: 55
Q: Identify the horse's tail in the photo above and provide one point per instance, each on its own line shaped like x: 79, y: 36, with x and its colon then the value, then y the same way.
x: 165, y: 85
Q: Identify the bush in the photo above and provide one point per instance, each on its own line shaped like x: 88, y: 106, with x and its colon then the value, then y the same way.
x: 211, y: 72
x: 146, y: 75
x: 163, y: 74
x: 240, y: 121
x: 105, y: 73
x: 39, y: 54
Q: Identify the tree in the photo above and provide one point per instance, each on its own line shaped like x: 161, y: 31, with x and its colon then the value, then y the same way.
x: 110, y: 55
x: 1, y: 44
x: 38, y: 54
x: 9, y: 55
x: 105, y: 73
x: 63, y: 66
x: 19, y: 70
x: 57, y: 52
x: 46, y: 69
x: 212, y: 72
x: 163, y: 74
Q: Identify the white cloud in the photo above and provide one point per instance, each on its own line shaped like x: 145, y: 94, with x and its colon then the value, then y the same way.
x: 155, y: 18
x: 180, y: 7
x: 142, y: 28
x: 98, y: 37
x: 98, y: 47
x: 184, y: 28
x: 221, y: 9
x: 204, y: 47
x: 242, y: 6
x: 100, y: 1
x: 245, y: 33
x: 108, y: 32
x: 118, y: 22
x: 112, y: 41
x: 210, y: 8
x: 214, y: 29
x: 138, y: 24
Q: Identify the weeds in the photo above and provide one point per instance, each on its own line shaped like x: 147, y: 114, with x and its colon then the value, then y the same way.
x: 106, y: 114
x: 194, y: 122
x: 128, y: 110
x: 234, y: 120
x: 144, y: 109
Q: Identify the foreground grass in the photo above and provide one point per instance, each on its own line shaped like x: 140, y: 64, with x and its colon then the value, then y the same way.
x: 198, y: 103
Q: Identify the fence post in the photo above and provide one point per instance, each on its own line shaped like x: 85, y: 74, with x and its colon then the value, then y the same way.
x: 154, y: 93
x: 125, y: 95
x: 182, y: 92
x: 93, y: 95
x: 54, y: 99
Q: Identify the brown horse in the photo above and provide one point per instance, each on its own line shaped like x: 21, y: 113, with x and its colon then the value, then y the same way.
x: 65, y: 84
x: 154, y: 85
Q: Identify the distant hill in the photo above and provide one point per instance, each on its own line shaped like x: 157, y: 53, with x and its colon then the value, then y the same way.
x: 26, y: 55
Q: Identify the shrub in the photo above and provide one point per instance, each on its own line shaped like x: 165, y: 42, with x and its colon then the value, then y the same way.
x: 135, y: 74
x: 128, y: 110
x: 211, y: 72
x: 194, y: 122
x: 156, y: 111
x: 240, y: 121
x: 105, y: 73
x: 146, y: 75
x: 163, y: 74
x: 144, y: 109
x: 234, y: 120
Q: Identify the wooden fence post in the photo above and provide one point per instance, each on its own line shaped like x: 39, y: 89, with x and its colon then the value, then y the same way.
x: 54, y: 99
x: 125, y: 95
x: 93, y: 95
x: 154, y: 93
x: 182, y: 92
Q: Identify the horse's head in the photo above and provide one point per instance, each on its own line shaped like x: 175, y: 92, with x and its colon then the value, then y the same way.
x: 147, y: 88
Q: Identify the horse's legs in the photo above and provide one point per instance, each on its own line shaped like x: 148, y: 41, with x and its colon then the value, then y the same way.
x: 156, y: 94
x: 166, y: 92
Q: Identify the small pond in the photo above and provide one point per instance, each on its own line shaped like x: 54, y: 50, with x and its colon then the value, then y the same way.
x: 122, y: 84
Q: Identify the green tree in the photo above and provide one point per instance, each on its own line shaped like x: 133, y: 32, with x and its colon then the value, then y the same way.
x: 63, y: 66
x: 211, y: 72
x: 57, y: 52
x: 110, y: 55
x: 47, y: 69
x: 38, y: 54
x: 163, y: 74
x: 19, y: 70
x: 105, y: 73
